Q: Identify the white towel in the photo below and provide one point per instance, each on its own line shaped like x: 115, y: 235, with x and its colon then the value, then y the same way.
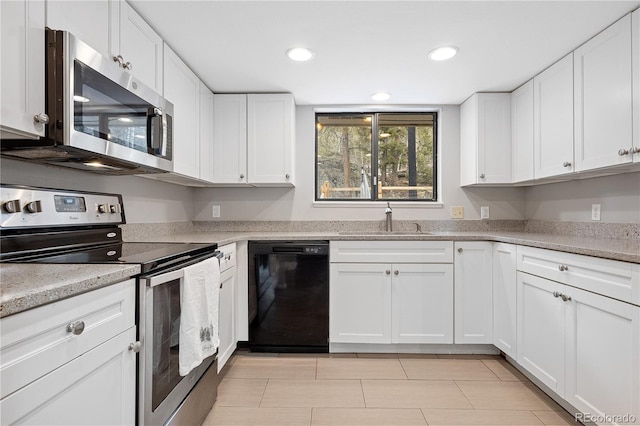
x: 199, y: 295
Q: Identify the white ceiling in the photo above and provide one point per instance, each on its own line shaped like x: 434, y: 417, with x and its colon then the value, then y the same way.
x: 366, y: 46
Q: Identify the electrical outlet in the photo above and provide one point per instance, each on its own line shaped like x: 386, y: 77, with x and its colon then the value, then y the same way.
x: 457, y: 212
x: 216, y: 211
x: 595, y: 211
x: 484, y: 212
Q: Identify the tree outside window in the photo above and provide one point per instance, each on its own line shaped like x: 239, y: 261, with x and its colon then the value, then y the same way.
x: 376, y: 156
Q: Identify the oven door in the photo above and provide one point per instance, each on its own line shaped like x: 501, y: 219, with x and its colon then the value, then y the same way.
x: 161, y: 389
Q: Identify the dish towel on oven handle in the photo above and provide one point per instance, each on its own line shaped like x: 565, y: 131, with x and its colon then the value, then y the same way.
x: 199, y: 296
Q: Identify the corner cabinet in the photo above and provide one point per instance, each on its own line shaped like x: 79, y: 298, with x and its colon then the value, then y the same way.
x: 70, y: 362
x: 254, y: 139
x: 603, y: 99
x: 22, y: 69
x: 391, y: 292
x: 553, y: 120
x: 485, y: 139
x: 504, y: 298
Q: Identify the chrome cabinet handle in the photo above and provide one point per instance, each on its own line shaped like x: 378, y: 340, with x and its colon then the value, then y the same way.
x: 388, y: 272
x: 135, y: 346
x: 119, y: 59
x: 622, y: 152
x: 564, y: 297
x: 563, y: 268
x: 396, y: 272
x: 556, y: 294
x: 481, y: 175
x: 635, y: 150
x: 566, y: 164
x: 286, y: 176
x: 127, y: 65
x: 241, y: 175
x: 41, y: 118
x: 460, y: 250
x: 76, y: 327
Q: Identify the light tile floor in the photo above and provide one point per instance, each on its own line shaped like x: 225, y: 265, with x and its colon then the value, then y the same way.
x: 379, y: 389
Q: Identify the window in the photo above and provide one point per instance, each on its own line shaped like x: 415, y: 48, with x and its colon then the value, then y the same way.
x: 376, y: 156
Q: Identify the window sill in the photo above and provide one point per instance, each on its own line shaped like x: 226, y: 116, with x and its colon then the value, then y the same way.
x: 379, y: 204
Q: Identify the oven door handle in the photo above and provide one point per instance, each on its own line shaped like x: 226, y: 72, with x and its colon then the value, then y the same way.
x: 175, y: 273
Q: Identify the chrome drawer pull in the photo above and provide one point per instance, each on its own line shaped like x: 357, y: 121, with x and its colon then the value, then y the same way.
x: 135, y: 346
x: 563, y: 268
x: 76, y: 327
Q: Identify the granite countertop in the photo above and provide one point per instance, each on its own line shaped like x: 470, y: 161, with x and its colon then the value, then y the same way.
x: 627, y: 250
x: 25, y: 286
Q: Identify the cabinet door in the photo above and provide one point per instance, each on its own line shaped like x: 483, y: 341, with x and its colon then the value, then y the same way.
x: 522, y: 132
x: 553, y: 119
x: 230, y: 139
x: 473, y: 292
x: 603, y: 98
x: 270, y: 133
x: 22, y: 68
x: 90, y: 21
x: 360, y: 303
x: 140, y: 45
x: 603, y: 353
x: 541, y: 330
x: 206, y: 133
x: 504, y: 298
x: 97, y: 387
x: 182, y: 89
x: 422, y: 303
x: 227, y: 317
x: 635, y: 59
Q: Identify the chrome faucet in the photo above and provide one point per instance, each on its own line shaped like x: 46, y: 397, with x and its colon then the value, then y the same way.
x: 389, y: 214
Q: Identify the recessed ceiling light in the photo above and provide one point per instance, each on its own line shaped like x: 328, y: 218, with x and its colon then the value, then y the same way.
x: 443, y: 53
x: 380, y: 96
x: 300, y: 54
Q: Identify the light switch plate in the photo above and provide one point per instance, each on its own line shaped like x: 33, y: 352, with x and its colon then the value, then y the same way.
x: 216, y: 211
x: 595, y: 211
x: 484, y: 212
x: 457, y: 212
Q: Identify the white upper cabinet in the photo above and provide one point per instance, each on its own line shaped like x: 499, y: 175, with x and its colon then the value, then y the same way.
x: 230, y: 139
x: 253, y: 139
x: 182, y: 89
x: 22, y: 69
x: 270, y: 135
x: 206, y: 133
x: 603, y: 98
x: 553, y: 119
x: 138, y: 45
x: 90, y: 21
x: 485, y: 139
x: 522, y: 132
x: 635, y: 58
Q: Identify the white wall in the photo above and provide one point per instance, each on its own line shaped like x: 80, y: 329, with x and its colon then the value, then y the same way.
x: 145, y: 200
x: 619, y: 197
x: 297, y: 204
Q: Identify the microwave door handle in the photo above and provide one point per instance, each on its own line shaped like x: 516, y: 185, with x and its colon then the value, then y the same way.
x: 164, y: 135
x: 153, y: 135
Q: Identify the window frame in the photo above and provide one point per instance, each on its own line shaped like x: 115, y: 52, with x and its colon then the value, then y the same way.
x: 374, y: 154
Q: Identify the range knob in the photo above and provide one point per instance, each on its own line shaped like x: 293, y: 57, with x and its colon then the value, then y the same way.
x: 103, y: 208
x: 34, y: 207
x: 13, y: 206
x: 115, y: 208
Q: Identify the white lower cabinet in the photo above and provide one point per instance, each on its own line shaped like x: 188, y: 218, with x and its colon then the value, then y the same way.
x: 69, y: 362
x: 583, y: 346
x: 504, y: 298
x: 227, y: 305
x: 473, y: 292
x: 382, y: 302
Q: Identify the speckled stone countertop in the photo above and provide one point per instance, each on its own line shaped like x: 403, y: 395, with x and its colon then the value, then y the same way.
x: 618, y: 249
x: 28, y: 285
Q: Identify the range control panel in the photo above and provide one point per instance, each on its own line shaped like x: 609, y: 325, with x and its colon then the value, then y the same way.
x: 29, y: 207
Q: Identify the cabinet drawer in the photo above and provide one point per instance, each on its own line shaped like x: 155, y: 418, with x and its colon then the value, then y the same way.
x: 229, y: 259
x: 391, y: 251
x: 612, y: 278
x: 36, y: 341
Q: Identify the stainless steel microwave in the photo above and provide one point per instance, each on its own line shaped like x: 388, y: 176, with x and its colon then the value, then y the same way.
x: 98, y: 116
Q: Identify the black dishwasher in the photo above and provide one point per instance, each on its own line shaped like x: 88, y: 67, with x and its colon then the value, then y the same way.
x: 289, y: 296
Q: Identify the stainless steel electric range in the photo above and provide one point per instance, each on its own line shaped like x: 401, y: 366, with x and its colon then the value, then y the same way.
x: 41, y: 225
